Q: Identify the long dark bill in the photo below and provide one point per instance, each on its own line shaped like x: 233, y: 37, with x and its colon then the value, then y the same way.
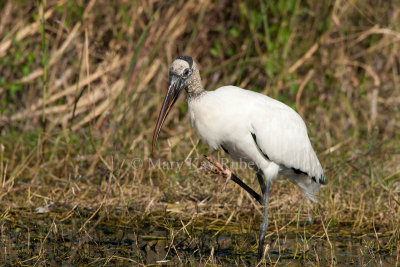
x: 169, y: 100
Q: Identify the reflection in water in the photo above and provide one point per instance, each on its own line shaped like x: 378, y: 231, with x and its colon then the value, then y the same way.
x: 112, y: 245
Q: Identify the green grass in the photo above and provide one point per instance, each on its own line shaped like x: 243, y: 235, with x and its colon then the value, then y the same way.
x: 80, y: 92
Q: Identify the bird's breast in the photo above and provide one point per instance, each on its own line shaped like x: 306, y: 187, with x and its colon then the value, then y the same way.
x: 218, y: 119
x: 220, y: 122
x: 206, y: 120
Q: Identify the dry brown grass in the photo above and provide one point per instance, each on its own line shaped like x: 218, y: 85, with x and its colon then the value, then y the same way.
x: 80, y: 94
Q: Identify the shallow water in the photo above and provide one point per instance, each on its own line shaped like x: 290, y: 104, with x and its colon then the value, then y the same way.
x: 45, y: 242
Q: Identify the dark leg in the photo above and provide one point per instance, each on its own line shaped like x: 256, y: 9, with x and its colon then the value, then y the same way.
x: 261, y: 180
x: 265, y: 188
x: 247, y: 188
x: 231, y: 176
x: 264, y: 225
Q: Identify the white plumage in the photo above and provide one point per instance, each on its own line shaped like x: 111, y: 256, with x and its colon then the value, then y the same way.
x: 250, y: 127
x: 230, y: 115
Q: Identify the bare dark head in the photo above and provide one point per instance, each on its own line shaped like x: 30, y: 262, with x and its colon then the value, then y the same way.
x: 183, y: 75
x: 181, y: 71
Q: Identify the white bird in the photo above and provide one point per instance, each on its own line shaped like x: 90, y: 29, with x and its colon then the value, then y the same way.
x: 250, y: 127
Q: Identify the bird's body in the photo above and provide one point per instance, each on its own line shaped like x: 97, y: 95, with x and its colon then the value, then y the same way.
x: 250, y: 127
x: 231, y: 117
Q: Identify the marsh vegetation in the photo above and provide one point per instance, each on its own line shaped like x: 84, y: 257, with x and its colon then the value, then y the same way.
x: 81, y: 83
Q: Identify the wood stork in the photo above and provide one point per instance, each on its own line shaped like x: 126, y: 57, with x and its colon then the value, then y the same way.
x: 250, y: 127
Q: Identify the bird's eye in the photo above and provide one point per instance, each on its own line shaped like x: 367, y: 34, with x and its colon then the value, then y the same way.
x: 186, y: 72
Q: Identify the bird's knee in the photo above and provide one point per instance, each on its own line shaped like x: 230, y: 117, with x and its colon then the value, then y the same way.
x: 264, y: 226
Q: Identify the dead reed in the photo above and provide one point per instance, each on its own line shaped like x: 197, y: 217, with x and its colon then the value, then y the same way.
x: 81, y: 83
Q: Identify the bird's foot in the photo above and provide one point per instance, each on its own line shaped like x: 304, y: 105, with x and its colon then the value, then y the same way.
x: 219, y: 169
